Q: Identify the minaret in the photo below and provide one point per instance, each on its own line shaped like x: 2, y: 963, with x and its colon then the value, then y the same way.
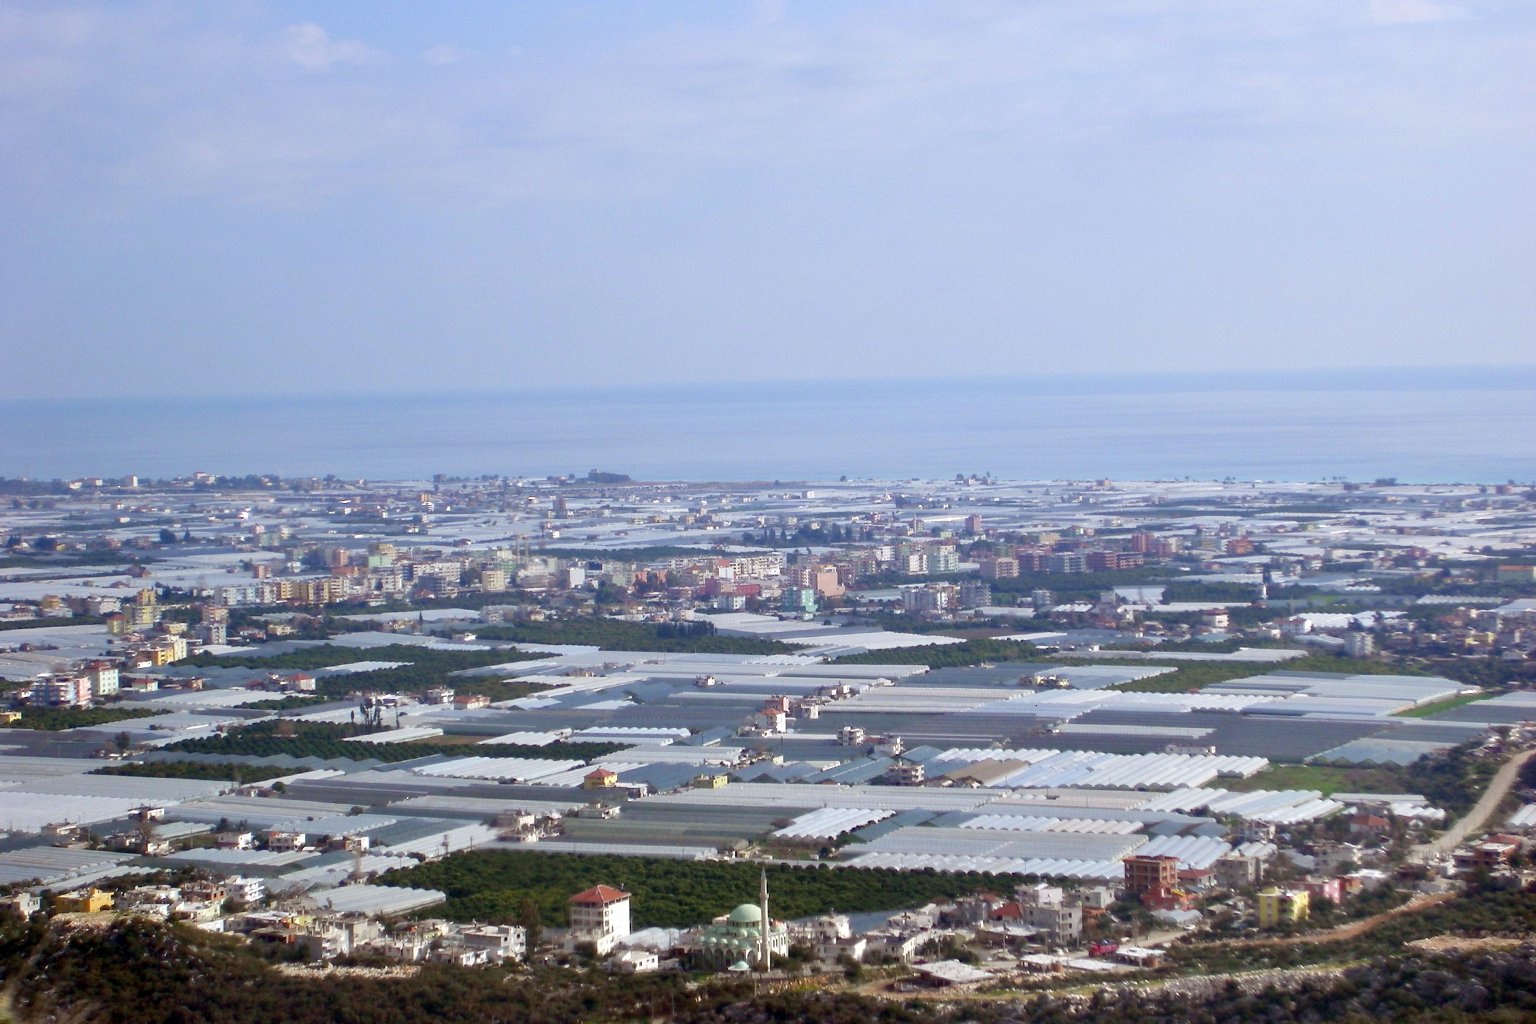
x: 763, y: 928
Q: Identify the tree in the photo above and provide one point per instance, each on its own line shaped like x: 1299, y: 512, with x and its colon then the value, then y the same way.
x: 532, y: 921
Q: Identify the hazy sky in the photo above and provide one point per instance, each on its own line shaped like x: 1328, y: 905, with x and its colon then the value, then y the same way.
x: 247, y: 196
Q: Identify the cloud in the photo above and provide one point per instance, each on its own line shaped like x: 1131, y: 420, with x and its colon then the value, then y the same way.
x: 219, y: 102
x: 311, y: 47
x: 442, y: 54
x: 767, y: 12
x: 1413, y: 12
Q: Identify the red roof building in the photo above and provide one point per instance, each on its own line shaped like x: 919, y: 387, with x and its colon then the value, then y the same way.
x: 598, y: 896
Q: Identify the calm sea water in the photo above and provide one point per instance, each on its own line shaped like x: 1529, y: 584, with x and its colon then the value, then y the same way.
x: 1414, y: 425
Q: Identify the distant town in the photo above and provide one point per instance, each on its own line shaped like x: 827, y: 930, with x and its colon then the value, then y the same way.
x: 898, y: 738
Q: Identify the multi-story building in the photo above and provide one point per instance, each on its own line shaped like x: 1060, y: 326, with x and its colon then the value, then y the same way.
x: 931, y: 597
x: 65, y: 690
x: 942, y: 558
x: 387, y: 579
x: 1110, y: 561
x: 1359, y: 644
x: 1282, y: 906
x: 143, y: 611
x: 1062, y: 924
x: 1000, y: 567
x: 99, y: 605
x: 798, y: 600
x: 758, y: 567
x: 104, y: 678
x: 599, y: 915
x: 440, y: 569
x: 910, y: 561
x: 1145, y: 875
x: 1065, y: 561
x: 975, y: 594
x: 1235, y: 871
x: 823, y: 579
x: 234, y: 595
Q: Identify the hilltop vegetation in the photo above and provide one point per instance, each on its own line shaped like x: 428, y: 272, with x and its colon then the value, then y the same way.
x: 1491, y: 912
x: 140, y: 972
x: 492, y: 885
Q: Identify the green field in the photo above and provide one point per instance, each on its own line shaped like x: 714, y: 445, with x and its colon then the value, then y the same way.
x: 1425, y: 710
x: 1324, y: 778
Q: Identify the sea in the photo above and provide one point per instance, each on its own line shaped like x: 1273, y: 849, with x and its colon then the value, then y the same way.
x: 1464, y: 425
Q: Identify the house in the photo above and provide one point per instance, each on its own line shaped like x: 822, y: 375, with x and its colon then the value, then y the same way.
x: 496, y: 941
x: 950, y: 974
x: 831, y: 935
x: 280, y: 841
x: 1139, y: 956
x: 904, y: 772
x: 1493, y: 852
x: 1331, y: 889
x: 64, y: 833
x: 249, y: 891
x: 22, y: 904
x: 600, y: 778
x: 83, y: 901
x: 1365, y: 824
x: 634, y: 961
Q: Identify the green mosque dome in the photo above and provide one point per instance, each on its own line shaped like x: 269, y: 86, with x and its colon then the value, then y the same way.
x: 747, y: 913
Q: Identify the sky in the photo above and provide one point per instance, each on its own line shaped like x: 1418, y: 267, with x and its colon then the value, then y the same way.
x: 245, y: 197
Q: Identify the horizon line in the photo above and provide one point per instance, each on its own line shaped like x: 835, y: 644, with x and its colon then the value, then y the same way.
x: 1476, y: 376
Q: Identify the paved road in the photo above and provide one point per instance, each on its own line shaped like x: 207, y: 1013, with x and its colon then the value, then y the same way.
x: 1477, y: 818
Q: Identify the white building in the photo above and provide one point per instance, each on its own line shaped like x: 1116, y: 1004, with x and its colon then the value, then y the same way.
x: 249, y: 891
x: 599, y: 915
x: 496, y: 941
x: 634, y: 961
x: 103, y: 677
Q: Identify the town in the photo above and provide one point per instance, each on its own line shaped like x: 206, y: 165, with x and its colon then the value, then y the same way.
x: 931, y: 734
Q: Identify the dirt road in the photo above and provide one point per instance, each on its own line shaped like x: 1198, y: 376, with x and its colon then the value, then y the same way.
x: 1477, y: 818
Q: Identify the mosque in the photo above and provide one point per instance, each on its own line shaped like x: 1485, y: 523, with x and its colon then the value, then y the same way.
x: 745, y: 938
